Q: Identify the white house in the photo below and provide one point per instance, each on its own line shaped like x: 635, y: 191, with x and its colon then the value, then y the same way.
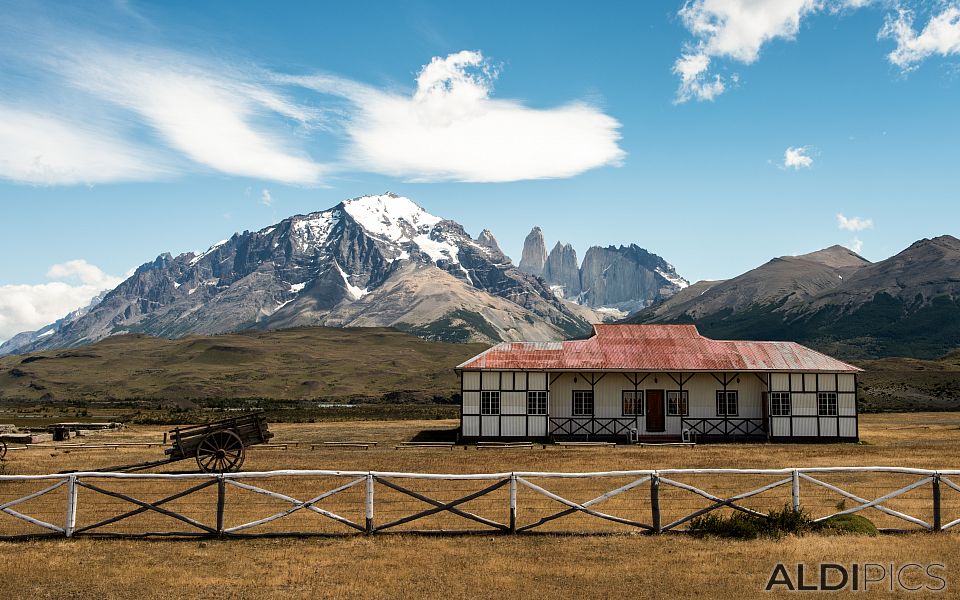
x: 657, y: 382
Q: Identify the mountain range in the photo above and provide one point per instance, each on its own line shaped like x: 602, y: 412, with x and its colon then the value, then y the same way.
x: 834, y: 300
x: 367, y: 262
x: 384, y: 261
x: 614, y: 279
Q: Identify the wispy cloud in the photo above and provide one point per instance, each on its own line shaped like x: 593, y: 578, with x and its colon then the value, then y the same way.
x: 797, y: 158
x: 149, y: 112
x: 223, y: 120
x: 450, y: 129
x: 856, y: 244
x: 29, y: 307
x: 853, y: 223
x: 266, y: 198
x: 42, y: 149
x: 737, y: 31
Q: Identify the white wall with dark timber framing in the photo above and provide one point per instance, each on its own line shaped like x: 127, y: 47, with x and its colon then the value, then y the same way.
x: 805, y: 422
x: 513, y: 418
x: 806, y: 419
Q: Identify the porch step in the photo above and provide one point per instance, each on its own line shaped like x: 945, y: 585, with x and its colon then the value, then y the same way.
x: 597, y: 444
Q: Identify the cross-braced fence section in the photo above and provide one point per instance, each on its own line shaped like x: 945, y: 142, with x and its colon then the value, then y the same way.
x: 301, y: 503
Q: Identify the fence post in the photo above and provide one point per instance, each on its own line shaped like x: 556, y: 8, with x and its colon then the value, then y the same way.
x: 369, y: 505
x: 796, y: 491
x: 937, y: 517
x: 513, y: 502
x: 71, y: 523
x: 221, y: 503
x: 655, y: 503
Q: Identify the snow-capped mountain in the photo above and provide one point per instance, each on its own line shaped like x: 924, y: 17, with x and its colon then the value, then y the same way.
x: 369, y: 261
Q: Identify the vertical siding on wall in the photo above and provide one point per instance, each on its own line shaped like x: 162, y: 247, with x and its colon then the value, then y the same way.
x: 847, y: 404
x: 780, y: 382
x: 491, y: 425
x: 828, y: 427
x: 780, y: 426
x: 490, y: 380
x: 804, y: 404
x: 513, y: 426
x: 826, y: 382
x: 538, y: 426
x: 796, y: 382
x: 520, y: 380
x: 513, y: 403
x: 847, y: 382
x: 537, y: 381
x: 471, y: 402
x: 848, y: 427
x: 804, y: 426
x: 608, y: 395
x: 471, y: 380
x: 561, y: 393
x: 809, y: 382
x: 471, y: 426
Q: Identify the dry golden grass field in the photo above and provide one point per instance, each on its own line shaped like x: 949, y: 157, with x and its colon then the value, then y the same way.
x: 405, y: 565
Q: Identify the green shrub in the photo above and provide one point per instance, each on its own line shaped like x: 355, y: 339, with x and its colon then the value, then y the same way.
x: 848, y: 524
x: 776, y: 524
x: 738, y: 525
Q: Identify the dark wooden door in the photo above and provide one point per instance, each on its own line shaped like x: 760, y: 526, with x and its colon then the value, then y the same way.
x: 655, y: 411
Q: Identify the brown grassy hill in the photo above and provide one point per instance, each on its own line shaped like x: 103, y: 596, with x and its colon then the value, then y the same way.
x: 305, y: 363
x: 892, y: 384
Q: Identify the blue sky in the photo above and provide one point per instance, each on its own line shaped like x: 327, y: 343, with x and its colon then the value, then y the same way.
x: 135, y: 128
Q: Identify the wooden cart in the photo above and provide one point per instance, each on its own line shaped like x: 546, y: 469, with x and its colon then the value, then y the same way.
x: 218, y: 447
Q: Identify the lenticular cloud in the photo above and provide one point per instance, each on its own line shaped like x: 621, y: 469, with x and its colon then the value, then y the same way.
x: 451, y: 129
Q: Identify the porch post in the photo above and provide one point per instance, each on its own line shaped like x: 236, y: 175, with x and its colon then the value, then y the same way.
x: 593, y: 405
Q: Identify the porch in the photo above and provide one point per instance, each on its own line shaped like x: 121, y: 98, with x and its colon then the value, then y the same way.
x: 631, y: 429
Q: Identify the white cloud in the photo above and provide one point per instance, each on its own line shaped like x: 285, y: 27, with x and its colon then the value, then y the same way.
x: 266, y: 198
x: 30, y: 307
x: 797, y: 158
x: 856, y: 244
x: 118, y: 98
x: 694, y: 79
x: 450, y: 129
x: 940, y: 36
x: 215, y: 119
x: 853, y: 223
x: 732, y: 29
x: 737, y: 30
x: 41, y: 149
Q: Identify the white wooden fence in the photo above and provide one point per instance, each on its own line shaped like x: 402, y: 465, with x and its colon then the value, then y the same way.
x: 337, y: 502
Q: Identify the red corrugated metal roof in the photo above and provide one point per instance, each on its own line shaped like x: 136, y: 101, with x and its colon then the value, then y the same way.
x: 655, y: 348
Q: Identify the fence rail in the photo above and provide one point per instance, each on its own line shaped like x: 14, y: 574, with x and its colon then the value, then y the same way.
x: 278, y: 502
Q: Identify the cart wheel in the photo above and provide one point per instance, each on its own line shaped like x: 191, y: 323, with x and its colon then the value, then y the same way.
x: 3, y: 449
x: 220, y: 451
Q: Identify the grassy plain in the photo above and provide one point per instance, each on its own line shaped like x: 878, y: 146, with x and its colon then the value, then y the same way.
x: 412, y: 566
x: 313, y: 363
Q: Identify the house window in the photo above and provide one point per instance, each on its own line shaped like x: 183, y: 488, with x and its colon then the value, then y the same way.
x: 489, y: 403
x: 780, y: 404
x: 632, y: 402
x: 677, y: 404
x: 727, y: 403
x: 827, y: 404
x: 582, y: 403
x: 536, y: 403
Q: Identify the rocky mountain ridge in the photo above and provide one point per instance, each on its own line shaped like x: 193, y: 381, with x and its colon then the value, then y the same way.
x: 370, y: 261
x: 621, y: 279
